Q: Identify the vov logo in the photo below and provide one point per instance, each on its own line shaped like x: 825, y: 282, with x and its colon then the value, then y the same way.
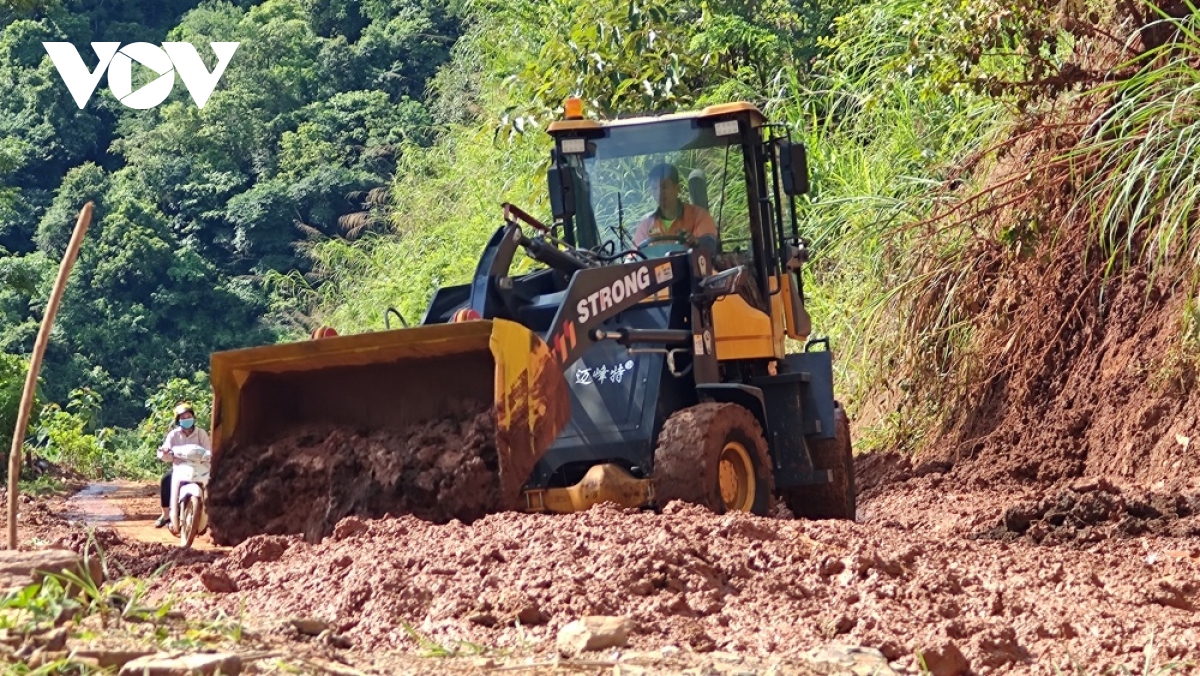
x: 171, y: 58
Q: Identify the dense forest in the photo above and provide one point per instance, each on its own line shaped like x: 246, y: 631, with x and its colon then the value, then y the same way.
x: 195, y: 207
x: 354, y: 156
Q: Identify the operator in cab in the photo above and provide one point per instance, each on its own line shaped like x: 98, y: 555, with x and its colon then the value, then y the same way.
x: 675, y: 219
x: 183, y: 433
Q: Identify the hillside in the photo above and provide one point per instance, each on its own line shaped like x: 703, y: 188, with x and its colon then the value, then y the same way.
x: 196, y: 206
x: 1000, y: 214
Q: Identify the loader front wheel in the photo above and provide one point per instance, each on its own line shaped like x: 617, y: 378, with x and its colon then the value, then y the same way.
x: 714, y: 455
x: 187, y: 522
x: 837, y: 499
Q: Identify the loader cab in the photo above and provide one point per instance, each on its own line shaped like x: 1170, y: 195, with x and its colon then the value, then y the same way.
x: 602, y: 189
x: 732, y: 171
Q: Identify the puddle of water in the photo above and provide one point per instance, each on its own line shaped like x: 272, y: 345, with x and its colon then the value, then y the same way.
x: 94, y: 491
x: 89, y: 505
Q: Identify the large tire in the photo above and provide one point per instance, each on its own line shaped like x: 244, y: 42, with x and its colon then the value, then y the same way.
x: 701, y: 443
x: 835, y: 500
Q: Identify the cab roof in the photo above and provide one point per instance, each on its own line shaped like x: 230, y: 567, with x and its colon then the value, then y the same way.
x: 756, y: 118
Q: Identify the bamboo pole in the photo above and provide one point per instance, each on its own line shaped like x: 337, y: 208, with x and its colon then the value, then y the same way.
x: 35, y: 365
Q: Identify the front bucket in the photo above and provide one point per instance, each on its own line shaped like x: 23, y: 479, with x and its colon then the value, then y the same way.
x: 443, y: 421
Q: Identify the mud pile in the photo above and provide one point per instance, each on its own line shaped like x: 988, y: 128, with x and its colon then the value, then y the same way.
x: 734, y: 583
x: 38, y: 519
x: 127, y: 557
x: 1091, y: 511
x: 305, y: 481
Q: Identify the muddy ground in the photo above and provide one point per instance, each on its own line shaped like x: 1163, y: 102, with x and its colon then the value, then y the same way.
x: 306, y: 480
x: 1017, y: 578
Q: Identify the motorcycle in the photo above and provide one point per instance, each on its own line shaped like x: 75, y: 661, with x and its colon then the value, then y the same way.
x: 189, y: 492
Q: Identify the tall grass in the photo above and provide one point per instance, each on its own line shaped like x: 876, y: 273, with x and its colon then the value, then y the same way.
x: 1139, y: 167
x: 886, y: 148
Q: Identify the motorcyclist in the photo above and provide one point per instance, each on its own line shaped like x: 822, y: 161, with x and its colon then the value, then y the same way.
x: 183, y: 433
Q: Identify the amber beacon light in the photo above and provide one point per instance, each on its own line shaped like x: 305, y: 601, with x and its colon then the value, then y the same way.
x: 574, y: 108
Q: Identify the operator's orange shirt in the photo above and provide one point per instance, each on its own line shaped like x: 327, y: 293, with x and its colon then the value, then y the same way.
x: 695, y: 221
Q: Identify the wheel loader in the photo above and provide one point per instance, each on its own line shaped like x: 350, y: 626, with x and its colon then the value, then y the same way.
x: 617, y: 371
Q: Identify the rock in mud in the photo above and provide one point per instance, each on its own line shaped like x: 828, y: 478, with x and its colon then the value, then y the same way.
x: 593, y: 633
x: 308, y: 480
x: 19, y: 569
x: 849, y: 659
x: 349, y: 527
x: 945, y: 660
x: 184, y: 665
x: 217, y: 581
x: 310, y: 626
x: 42, y: 658
x: 262, y: 548
x: 106, y: 658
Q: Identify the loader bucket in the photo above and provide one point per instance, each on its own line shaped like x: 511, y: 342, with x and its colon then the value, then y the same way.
x: 306, y: 433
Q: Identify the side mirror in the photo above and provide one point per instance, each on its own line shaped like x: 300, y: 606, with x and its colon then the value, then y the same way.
x: 793, y: 165
x: 562, y: 191
x: 795, y: 256
x: 715, y: 287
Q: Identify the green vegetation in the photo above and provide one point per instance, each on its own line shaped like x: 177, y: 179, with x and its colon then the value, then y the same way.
x: 1139, y: 163
x: 431, y: 648
x: 355, y: 153
x: 195, y: 207
x: 13, y: 371
x: 64, y: 602
x: 871, y: 93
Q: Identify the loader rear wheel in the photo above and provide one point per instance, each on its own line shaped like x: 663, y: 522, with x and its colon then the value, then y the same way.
x: 835, y: 500
x: 714, y: 455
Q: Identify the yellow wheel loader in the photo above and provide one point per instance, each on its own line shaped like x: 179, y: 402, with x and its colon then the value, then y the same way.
x: 626, y: 371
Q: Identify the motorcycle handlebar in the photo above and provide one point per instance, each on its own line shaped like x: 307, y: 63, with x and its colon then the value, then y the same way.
x: 192, y: 453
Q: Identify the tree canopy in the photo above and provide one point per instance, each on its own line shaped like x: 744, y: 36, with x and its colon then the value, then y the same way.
x: 195, y: 205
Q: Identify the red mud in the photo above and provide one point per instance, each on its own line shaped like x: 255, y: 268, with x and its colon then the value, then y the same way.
x: 734, y: 583
x: 308, y: 480
x: 1076, y: 370
x: 1055, y: 526
x: 1091, y: 511
x: 918, y: 573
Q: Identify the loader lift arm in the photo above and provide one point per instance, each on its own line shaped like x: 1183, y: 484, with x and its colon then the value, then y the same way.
x: 493, y: 293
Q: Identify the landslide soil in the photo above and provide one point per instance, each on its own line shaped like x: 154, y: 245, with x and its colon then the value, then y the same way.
x: 934, y: 566
x: 308, y: 479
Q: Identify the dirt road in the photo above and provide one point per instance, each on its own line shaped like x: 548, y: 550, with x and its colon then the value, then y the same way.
x: 128, y: 508
x: 976, y: 578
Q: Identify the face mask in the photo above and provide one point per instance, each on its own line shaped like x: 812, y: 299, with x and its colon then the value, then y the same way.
x: 187, y: 423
